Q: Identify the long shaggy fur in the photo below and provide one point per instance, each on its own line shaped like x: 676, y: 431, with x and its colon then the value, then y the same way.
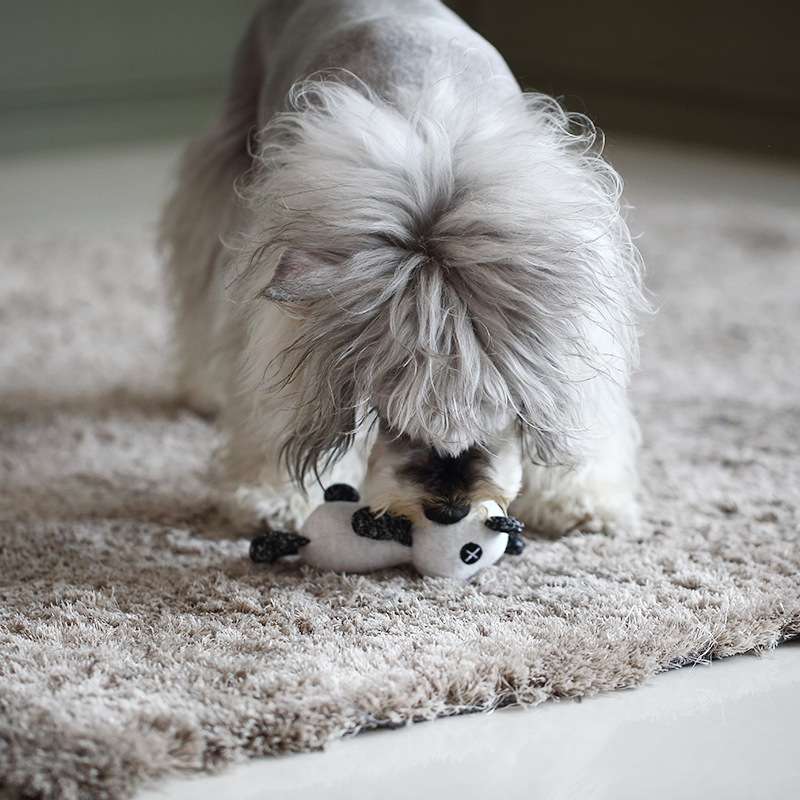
x: 422, y: 245
x: 454, y: 266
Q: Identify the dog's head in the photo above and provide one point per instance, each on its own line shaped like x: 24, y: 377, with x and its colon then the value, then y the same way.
x: 413, y: 479
x: 442, y: 266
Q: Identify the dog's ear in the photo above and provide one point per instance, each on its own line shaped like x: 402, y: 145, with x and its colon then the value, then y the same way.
x: 299, y: 277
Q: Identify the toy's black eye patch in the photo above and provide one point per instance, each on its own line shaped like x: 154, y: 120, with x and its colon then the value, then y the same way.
x: 385, y: 526
x: 471, y: 552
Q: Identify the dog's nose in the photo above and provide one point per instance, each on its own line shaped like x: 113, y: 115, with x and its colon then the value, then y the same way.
x: 446, y: 514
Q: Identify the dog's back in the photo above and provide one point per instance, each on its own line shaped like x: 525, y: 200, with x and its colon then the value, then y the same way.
x: 385, y: 43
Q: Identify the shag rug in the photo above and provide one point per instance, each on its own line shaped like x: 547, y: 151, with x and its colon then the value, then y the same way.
x: 137, y: 639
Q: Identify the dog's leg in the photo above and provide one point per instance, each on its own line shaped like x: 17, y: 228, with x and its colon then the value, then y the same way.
x: 194, y: 222
x: 219, y: 364
x: 598, y: 493
x: 202, y: 211
x: 192, y: 228
x: 255, y: 487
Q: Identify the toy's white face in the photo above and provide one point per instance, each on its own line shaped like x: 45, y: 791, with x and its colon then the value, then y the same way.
x: 462, y: 549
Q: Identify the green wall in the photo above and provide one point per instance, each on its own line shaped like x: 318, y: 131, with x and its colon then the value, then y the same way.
x: 105, y: 70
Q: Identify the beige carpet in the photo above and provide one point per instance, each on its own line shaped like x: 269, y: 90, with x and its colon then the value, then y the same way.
x: 136, y: 639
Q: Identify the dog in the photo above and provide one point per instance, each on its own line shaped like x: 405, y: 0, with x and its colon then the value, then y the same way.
x: 389, y: 265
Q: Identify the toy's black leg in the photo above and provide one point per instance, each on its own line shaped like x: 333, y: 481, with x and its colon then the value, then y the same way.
x: 341, y: 492
x: 516, y: 544
x: 269, y: 547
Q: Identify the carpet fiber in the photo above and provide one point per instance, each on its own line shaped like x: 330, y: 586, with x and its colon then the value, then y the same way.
x: 137, y: 638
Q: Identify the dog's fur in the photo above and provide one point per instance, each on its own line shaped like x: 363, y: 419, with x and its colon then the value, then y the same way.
x: 383, y: 229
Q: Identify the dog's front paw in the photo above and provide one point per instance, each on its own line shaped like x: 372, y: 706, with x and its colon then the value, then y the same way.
x: 251, y: 508
x: 557, y: 515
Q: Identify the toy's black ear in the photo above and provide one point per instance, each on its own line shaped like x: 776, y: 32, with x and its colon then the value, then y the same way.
x: 341, y: 492
x: 508, y: 525
x: 384, y: 527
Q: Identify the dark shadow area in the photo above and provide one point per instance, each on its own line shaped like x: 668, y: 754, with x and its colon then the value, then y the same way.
x: 721, y: 73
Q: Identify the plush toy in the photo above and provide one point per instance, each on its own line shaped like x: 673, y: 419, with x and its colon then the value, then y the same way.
x: 343, y: 536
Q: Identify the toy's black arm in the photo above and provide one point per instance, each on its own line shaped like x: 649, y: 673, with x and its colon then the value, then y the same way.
x: 384, y: 526
x: 513, y: 527
x: 508, y: 525
x: 269, y: 547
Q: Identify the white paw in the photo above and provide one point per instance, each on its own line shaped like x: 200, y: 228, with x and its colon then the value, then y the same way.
x: 555, y: 514
x: 250, y: 508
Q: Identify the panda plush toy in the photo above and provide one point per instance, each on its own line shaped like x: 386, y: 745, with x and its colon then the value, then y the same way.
x: 343, y: 536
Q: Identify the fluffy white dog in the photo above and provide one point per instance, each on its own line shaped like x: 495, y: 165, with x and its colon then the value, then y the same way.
x: 389, y: 264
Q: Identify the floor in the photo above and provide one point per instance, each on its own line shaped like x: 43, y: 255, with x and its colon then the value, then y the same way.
x: 727, y: 729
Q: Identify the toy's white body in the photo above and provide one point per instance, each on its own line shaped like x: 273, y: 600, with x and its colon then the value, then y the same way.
x: 453, y: 551
x: 333, y: 544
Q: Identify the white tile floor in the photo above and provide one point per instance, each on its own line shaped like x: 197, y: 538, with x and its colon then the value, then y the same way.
x: 726, y: 730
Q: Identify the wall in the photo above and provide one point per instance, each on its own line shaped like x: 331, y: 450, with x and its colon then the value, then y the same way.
x: 92, y: 71
x: 80, y: 71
